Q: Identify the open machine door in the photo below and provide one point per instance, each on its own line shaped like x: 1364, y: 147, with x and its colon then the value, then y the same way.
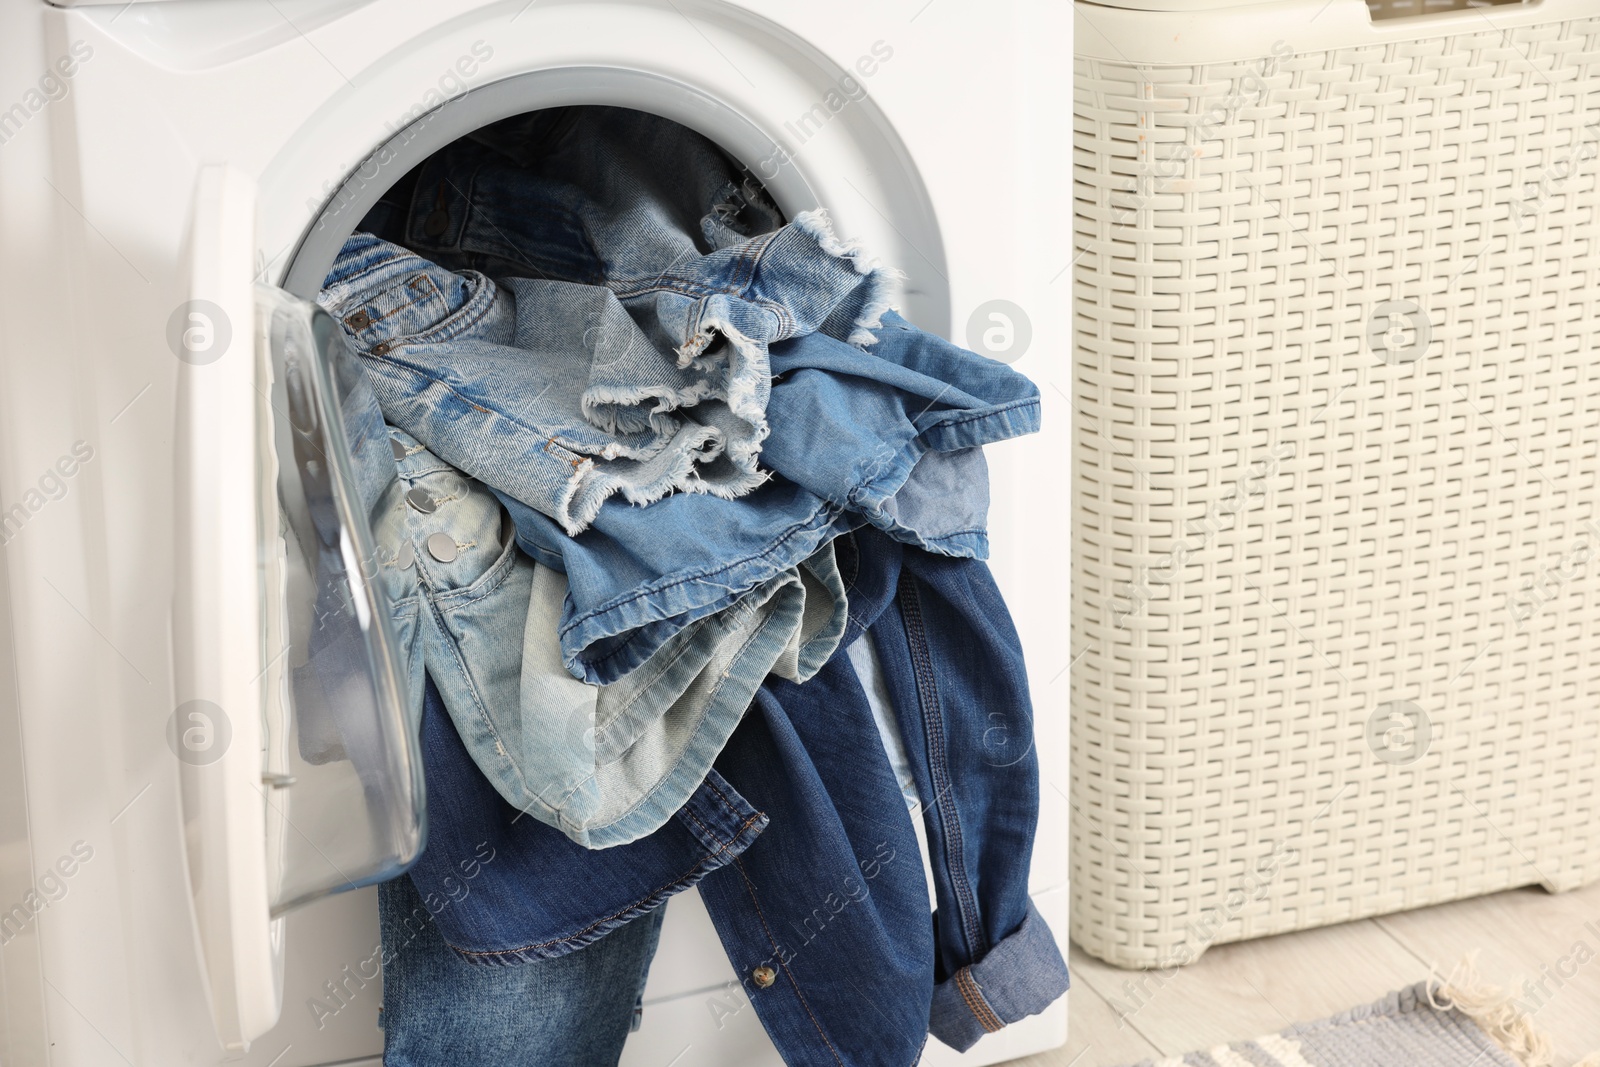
x: 301, y: 770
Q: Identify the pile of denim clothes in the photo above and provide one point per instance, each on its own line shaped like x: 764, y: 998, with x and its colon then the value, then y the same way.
x: 687, y: 573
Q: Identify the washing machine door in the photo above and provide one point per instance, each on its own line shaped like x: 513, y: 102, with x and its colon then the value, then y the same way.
x: 301, y: 769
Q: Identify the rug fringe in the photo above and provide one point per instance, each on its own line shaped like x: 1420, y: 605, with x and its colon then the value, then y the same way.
x: 1495, y: 1011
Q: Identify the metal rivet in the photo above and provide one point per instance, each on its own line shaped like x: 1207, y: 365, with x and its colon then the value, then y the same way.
x: 442, y: 547
x: 763, y: 977
x: 437, y: 222
x: 405, y: 557
x: 358, y: 321
x: 397, y: 448
x: 380, y: 349
x: 419, y: 499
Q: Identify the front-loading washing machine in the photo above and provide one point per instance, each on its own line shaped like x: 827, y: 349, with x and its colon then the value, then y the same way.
x: 176, y: 173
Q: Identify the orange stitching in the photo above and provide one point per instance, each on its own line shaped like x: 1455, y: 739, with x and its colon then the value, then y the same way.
x: 976, y: 1003
x: 961, y: 987
x: 739, y: 866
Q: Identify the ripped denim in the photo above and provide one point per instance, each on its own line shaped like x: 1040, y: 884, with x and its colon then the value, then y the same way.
x: 565, y: 394
x: 864, y: 413
x: 892, y: 435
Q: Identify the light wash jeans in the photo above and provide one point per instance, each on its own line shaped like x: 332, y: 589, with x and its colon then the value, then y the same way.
x: 603, y: 764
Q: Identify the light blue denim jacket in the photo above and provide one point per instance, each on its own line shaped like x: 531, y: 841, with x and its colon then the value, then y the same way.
x: 605, y: 765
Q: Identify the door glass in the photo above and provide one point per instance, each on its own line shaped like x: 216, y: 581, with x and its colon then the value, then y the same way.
x: 341, y: 765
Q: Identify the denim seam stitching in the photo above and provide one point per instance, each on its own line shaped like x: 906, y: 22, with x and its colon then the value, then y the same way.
x: 498, y: 573
x: 629, y: 288
x: 788, y: 972
x: 968, y: 987
x: 609, y: 918
x: 410, y: 302
x: 743, y: 266
x: 721, y: 844
x: 961, y: 987
x: 928, y: 694
x: 351, y: 282
x: 707, y: 623
x: 690, y: 287
x: 434, y: 379
x: 414, y: 474
x: 469, y: 314
x: 987, y: 413
x: 732, y: 808
x: 790, y: 534
x: 788, y: 324
x: 473, y: 311
x: 482, y: 714
x: 480, y: 711
x: 722, y: 681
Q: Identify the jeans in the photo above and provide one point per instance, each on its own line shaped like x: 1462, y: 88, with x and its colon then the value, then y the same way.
x: 861, y: 978
x: 955, y: 677
x: 605, y: 765
x: 441, y: 1011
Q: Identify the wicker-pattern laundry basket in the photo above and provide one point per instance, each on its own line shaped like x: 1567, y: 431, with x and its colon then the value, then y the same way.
x: 1336, y: 537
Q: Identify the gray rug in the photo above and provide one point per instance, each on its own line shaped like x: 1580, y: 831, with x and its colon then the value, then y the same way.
x: 1430, y: 1024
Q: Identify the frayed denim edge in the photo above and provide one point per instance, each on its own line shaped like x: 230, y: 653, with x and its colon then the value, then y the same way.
x: 883, y: 283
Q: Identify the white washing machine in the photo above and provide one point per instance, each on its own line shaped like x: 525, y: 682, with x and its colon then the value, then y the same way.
x: 162, y: 157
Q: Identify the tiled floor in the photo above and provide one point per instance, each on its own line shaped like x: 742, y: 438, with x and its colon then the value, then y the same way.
x: 1239, y: 991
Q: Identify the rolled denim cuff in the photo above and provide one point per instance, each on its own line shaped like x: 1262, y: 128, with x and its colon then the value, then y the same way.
x: 1020, y: 976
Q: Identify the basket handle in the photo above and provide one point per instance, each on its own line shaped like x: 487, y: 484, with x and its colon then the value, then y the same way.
x: 1459, y: 11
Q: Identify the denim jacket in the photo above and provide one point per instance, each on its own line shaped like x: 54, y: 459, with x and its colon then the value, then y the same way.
x: 824, y: 915
x: 534, y: 893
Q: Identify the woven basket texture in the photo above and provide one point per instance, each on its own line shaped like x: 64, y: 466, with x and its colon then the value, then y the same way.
x: 1336, y: 528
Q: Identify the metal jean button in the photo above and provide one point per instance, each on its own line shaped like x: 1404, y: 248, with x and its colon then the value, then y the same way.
x: 442, y: 547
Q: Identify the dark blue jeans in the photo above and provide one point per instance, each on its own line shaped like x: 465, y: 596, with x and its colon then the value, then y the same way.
x: 824, y: 916
x: 438, y: 1009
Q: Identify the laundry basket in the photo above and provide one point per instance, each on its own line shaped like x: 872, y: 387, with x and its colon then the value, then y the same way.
x: 1336, y: 528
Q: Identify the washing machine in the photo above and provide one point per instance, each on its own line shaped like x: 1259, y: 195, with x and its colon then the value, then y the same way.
x: 176, y: 177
